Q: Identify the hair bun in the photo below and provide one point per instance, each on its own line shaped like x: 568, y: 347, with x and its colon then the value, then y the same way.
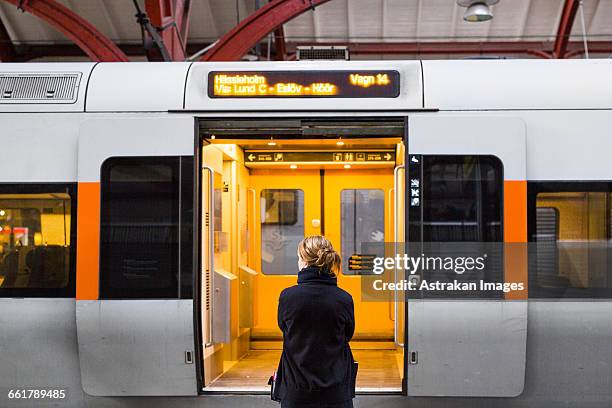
x: 325, y: 251
x: 318, y: 251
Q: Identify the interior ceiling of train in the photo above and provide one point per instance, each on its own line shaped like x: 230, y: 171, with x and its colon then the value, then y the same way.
x: 371, y: 29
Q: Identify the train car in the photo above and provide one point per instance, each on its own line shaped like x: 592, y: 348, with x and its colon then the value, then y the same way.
x: 150, y: 212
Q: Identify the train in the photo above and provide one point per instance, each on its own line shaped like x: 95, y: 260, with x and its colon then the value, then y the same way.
x: 150, y: 212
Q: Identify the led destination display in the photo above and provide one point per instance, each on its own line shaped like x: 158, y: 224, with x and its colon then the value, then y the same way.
x: 304, y: 84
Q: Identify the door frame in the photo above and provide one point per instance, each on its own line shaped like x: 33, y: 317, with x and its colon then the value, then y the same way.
x: 197, y: 257
x: 197, y: 205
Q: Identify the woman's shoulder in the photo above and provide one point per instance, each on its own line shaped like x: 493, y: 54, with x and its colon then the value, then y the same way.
x: 288, y: 291
x: 295, y: 290
x: 344, y: 295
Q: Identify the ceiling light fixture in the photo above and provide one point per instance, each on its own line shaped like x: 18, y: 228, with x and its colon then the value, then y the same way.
x: 347, y: 166
x: 477, y: 10
x: 271, y: 142
x: 293, y: 166
x: 340, y: 142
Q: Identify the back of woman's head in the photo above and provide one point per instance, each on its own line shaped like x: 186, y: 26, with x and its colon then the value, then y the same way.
x: 318, y: 251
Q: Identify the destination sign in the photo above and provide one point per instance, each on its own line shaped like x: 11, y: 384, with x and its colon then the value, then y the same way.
x: 304, y: 84
x: 331, y: 157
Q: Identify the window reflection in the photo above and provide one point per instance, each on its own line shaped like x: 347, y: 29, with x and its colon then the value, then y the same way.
x: 362, y: 223
x: 573, y: 241
x: 282, y: 229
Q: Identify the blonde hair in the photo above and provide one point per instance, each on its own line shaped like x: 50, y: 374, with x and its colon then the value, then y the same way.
x: 318, y: 251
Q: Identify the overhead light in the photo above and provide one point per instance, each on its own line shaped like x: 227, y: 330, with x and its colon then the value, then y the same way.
x: 477, y: 13
x: 2, y: 213
x: 271, y: 142
x: 340, y: 142
x: 347, y: 166
x: 477, y: 10
x: 293, y: 166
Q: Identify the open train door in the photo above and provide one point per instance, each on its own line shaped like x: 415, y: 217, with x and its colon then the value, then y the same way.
x: 135, y: 310
x: 466, y: 184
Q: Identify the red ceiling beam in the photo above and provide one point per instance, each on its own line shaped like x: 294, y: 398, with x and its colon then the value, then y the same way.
x: 280, y: 44
x: 95, y: 44
x: 7, y: 49
x: 28, y: 52
x: 171, y: 20
x: 240, y: 39
x: 424, y: 48
x: 568, y: 15
x: 576, y: 48
x: 535, y: 48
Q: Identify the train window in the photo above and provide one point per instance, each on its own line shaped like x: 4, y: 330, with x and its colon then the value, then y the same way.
x: 571, y: 240
x: 462, y: 199
x: 36, y: 233
x: 146, y: 228
x: 281, y: 207
x: 282, y: 228
x: 362, y: 223
x: 462, y: 207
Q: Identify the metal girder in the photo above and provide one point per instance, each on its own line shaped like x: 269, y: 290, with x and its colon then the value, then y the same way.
x: 575, y: 48
x: 27, y: 52
x: 237, y: 42
x: 568, y: 15
x: 280, y: 43
x: 95, y: 44
x: 452, y: 47
x: 7, y: 49
x: 170, y: 18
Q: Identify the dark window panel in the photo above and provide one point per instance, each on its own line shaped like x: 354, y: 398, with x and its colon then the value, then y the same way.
x: 461, y: 214
x: 462, y: 197
x: 143, y: 207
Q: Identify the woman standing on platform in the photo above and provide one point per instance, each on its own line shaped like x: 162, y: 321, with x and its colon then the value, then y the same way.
x: 317, y: 320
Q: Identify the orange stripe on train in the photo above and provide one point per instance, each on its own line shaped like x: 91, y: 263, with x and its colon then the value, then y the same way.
x: 88, y: 241
x: 515, y: 236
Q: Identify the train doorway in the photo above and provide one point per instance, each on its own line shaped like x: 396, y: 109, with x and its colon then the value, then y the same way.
x: 265, y: 185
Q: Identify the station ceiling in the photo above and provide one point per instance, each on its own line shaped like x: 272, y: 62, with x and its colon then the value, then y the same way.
x: 372, y: 29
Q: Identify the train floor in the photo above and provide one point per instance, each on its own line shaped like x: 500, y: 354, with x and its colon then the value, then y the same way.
x: 379, y: 371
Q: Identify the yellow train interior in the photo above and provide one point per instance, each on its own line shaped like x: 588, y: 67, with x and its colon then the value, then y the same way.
x: 34, y: 239
x: 262, y: 206
x: 575, y: 223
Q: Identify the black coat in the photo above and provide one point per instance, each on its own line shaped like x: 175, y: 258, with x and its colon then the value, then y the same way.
x: 317, y: 320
